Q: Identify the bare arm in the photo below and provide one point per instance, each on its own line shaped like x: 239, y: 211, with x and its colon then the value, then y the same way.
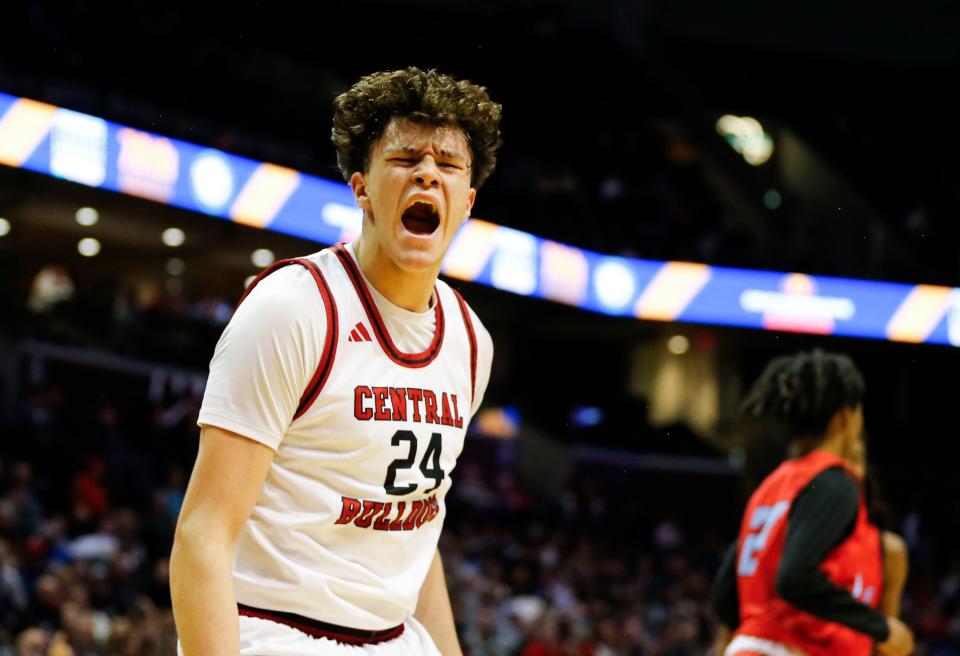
x: 434, y: 610
x: 226, y: 481
x: 895, y: 568
x: 721, y: 640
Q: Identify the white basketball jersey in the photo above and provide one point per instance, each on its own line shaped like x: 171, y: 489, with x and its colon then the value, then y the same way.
x: 348, y: 521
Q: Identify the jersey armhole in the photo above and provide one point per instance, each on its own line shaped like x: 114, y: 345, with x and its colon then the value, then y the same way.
x: 322, y: 372
x: 472, y: 339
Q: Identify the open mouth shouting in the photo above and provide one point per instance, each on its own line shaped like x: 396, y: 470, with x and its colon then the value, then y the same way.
x: 421, y: 218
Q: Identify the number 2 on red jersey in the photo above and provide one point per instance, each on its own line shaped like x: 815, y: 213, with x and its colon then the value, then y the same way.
x: 762, y: 521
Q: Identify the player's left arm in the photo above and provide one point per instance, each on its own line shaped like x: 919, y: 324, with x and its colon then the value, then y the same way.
x: 895, y: 568
x: 435, y: 612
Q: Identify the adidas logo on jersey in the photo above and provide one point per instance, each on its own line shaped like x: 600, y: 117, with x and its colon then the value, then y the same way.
x: 359, y: 334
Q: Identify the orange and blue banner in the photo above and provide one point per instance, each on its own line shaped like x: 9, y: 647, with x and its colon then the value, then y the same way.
x: 89, y: 150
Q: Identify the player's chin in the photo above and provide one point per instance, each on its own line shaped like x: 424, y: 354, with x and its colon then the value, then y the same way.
x: 418, y: 259
x: 419, y: 252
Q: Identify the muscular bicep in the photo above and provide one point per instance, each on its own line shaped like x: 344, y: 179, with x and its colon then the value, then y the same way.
x: 224, y: 486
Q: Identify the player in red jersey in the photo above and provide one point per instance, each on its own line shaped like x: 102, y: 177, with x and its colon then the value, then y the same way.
x: 805, y: 575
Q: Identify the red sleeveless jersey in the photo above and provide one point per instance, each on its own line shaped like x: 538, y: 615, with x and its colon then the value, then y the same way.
x: 856, y: 565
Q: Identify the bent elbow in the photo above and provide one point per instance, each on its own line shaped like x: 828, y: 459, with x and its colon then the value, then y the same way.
x: 197, y: 542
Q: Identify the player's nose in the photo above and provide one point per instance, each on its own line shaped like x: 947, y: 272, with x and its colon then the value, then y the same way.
x: 426, y: 173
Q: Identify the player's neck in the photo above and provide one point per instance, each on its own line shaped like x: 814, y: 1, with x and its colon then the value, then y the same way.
x: 831, y: 443
x: 834, y: 444
x: 405, y: 289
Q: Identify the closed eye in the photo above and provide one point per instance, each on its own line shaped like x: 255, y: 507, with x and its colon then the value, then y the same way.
x: 411, y: 161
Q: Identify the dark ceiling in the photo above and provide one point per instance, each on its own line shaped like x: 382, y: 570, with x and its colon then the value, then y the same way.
x: 587, y: 86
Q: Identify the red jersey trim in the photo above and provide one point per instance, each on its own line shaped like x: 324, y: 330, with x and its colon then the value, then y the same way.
x: 411, y: 360
x: 472, y: 338
x: 317, y: 629
x: 322, y: 372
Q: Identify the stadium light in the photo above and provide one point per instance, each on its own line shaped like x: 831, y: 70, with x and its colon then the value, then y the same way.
x: 87, y: 216
x: 4, y: 227
x: 175, y: 266
x: 746, y: 136
x: 88, y: 247
x: 262, y: 257
x: 173, y: 237
x: 678, y: 345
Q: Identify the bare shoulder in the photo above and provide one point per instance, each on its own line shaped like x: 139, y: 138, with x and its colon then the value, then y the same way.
x: 894, y: 547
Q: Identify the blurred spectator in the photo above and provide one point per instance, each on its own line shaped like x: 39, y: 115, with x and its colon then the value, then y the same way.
x: 84, y: 565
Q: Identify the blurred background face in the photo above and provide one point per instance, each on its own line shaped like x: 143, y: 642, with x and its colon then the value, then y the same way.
x: 32, y: 642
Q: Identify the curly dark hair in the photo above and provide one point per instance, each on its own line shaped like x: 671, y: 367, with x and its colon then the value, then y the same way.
x: 803, y: 392
x: 363, y: 112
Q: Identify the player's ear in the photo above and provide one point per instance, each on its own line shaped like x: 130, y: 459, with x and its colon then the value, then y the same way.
x: 471, y: 197
x: 847, y: 419
x: 839, y: 426
x: 843, y: 420
x: 359, y: 186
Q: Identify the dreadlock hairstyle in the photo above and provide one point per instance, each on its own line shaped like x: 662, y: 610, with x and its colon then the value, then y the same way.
x: 803, y: 392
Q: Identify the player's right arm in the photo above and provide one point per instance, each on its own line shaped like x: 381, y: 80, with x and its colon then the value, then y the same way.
x: 226, y: 481
x: 259, y: 370
x: 724, y: 597
x: 725, y: 600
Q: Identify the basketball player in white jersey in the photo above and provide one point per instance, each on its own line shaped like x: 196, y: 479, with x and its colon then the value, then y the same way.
x: 337, y: 404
